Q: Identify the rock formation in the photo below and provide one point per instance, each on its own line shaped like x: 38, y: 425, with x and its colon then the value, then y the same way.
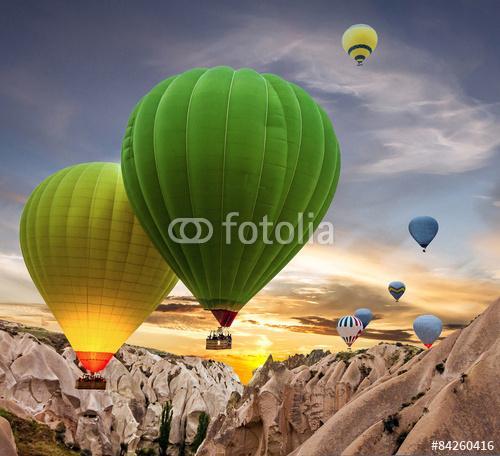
x: 390, y: 399
x: 37, y: 381
x: 7, y: 443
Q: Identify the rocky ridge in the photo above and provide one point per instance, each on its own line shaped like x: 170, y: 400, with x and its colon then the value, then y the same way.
x: 38, y: 381
x: 389, y: 399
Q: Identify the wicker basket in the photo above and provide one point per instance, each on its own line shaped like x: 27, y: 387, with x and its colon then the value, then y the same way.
x: 219, y: 344
x: 90, y: 385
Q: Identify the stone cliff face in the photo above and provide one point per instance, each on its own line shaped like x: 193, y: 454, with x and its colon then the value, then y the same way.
x: 390, y: 399
x: 287, y: 402
x: 37, y: 381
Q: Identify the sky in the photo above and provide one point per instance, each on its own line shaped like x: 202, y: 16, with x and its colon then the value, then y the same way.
x: 417, y: 124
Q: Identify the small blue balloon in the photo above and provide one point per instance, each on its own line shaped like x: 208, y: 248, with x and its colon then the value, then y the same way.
x: 365, y: 315
x: 423, y: 229
x: 397, y: 289
x: 428, y: 328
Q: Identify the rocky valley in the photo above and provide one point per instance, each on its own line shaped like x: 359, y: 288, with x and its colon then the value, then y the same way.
x: 389, y: 399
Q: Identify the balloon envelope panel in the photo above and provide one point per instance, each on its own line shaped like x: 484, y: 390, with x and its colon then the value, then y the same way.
x: 91, y: 260
x: 210, y: 142
x: 423, y: 229
x: 428, y: 328
x: 365, y: 315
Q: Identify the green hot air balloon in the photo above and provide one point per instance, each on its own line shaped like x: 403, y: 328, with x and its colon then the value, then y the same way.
x: 91, y: 260
x: 218, y: 144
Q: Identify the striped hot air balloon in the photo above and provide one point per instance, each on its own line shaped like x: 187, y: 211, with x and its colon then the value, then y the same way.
x: 349, y: 328
x: 359, y: 41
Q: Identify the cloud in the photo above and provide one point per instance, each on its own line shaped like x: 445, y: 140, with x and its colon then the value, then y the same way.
x: 31, y: 314
x: 415, y: 120
x: 15, y: 282
x: 178, y: 308
x: 395, y: 335
x: 453, y: 326
x: 315, y: 324
x: 177, y: 312
x: 179, y: 304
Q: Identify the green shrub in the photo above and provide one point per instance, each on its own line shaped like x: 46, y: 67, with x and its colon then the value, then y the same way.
x: 34, y: 438
x: 60, y: 432
x: 391, y: 422
x: 417, y: 396
x: 364, y: 370
x: 165, y: 422
x: 146, y: 452
x: 394, y: 358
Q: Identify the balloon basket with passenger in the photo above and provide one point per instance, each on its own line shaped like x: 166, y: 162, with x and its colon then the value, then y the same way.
x: 219, y: 340
x: 91, y: 382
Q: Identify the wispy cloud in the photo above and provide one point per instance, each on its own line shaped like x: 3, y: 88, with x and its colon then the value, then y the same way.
x: 412, y: 118
x: 15, y: 282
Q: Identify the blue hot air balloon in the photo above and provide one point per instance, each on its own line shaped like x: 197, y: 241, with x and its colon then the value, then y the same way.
x: 423, y: 229
x: 365, y: 315
x: 428, y: 328
x: 397, y: 289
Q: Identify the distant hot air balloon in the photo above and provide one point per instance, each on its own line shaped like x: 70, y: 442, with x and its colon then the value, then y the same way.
x: 397, y: 289
x: 428, y: 328
x: 90, y: 259
x: 349, y: 328
x: 423, y: 229
x: 222, y: 145
x: 359, y: 41
x: 365, y: 315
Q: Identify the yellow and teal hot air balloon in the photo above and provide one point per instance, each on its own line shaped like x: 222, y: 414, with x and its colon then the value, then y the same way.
x: 91, y: 260
x: 211, y: 142
x: 359, y: 41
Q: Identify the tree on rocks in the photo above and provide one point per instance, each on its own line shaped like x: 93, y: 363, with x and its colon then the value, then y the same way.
x: 165, y: 422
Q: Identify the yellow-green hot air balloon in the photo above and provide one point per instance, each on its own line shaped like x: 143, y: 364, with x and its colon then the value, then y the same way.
x: 359, y: 41
x: 220, y: 146
x: 91, y: 260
